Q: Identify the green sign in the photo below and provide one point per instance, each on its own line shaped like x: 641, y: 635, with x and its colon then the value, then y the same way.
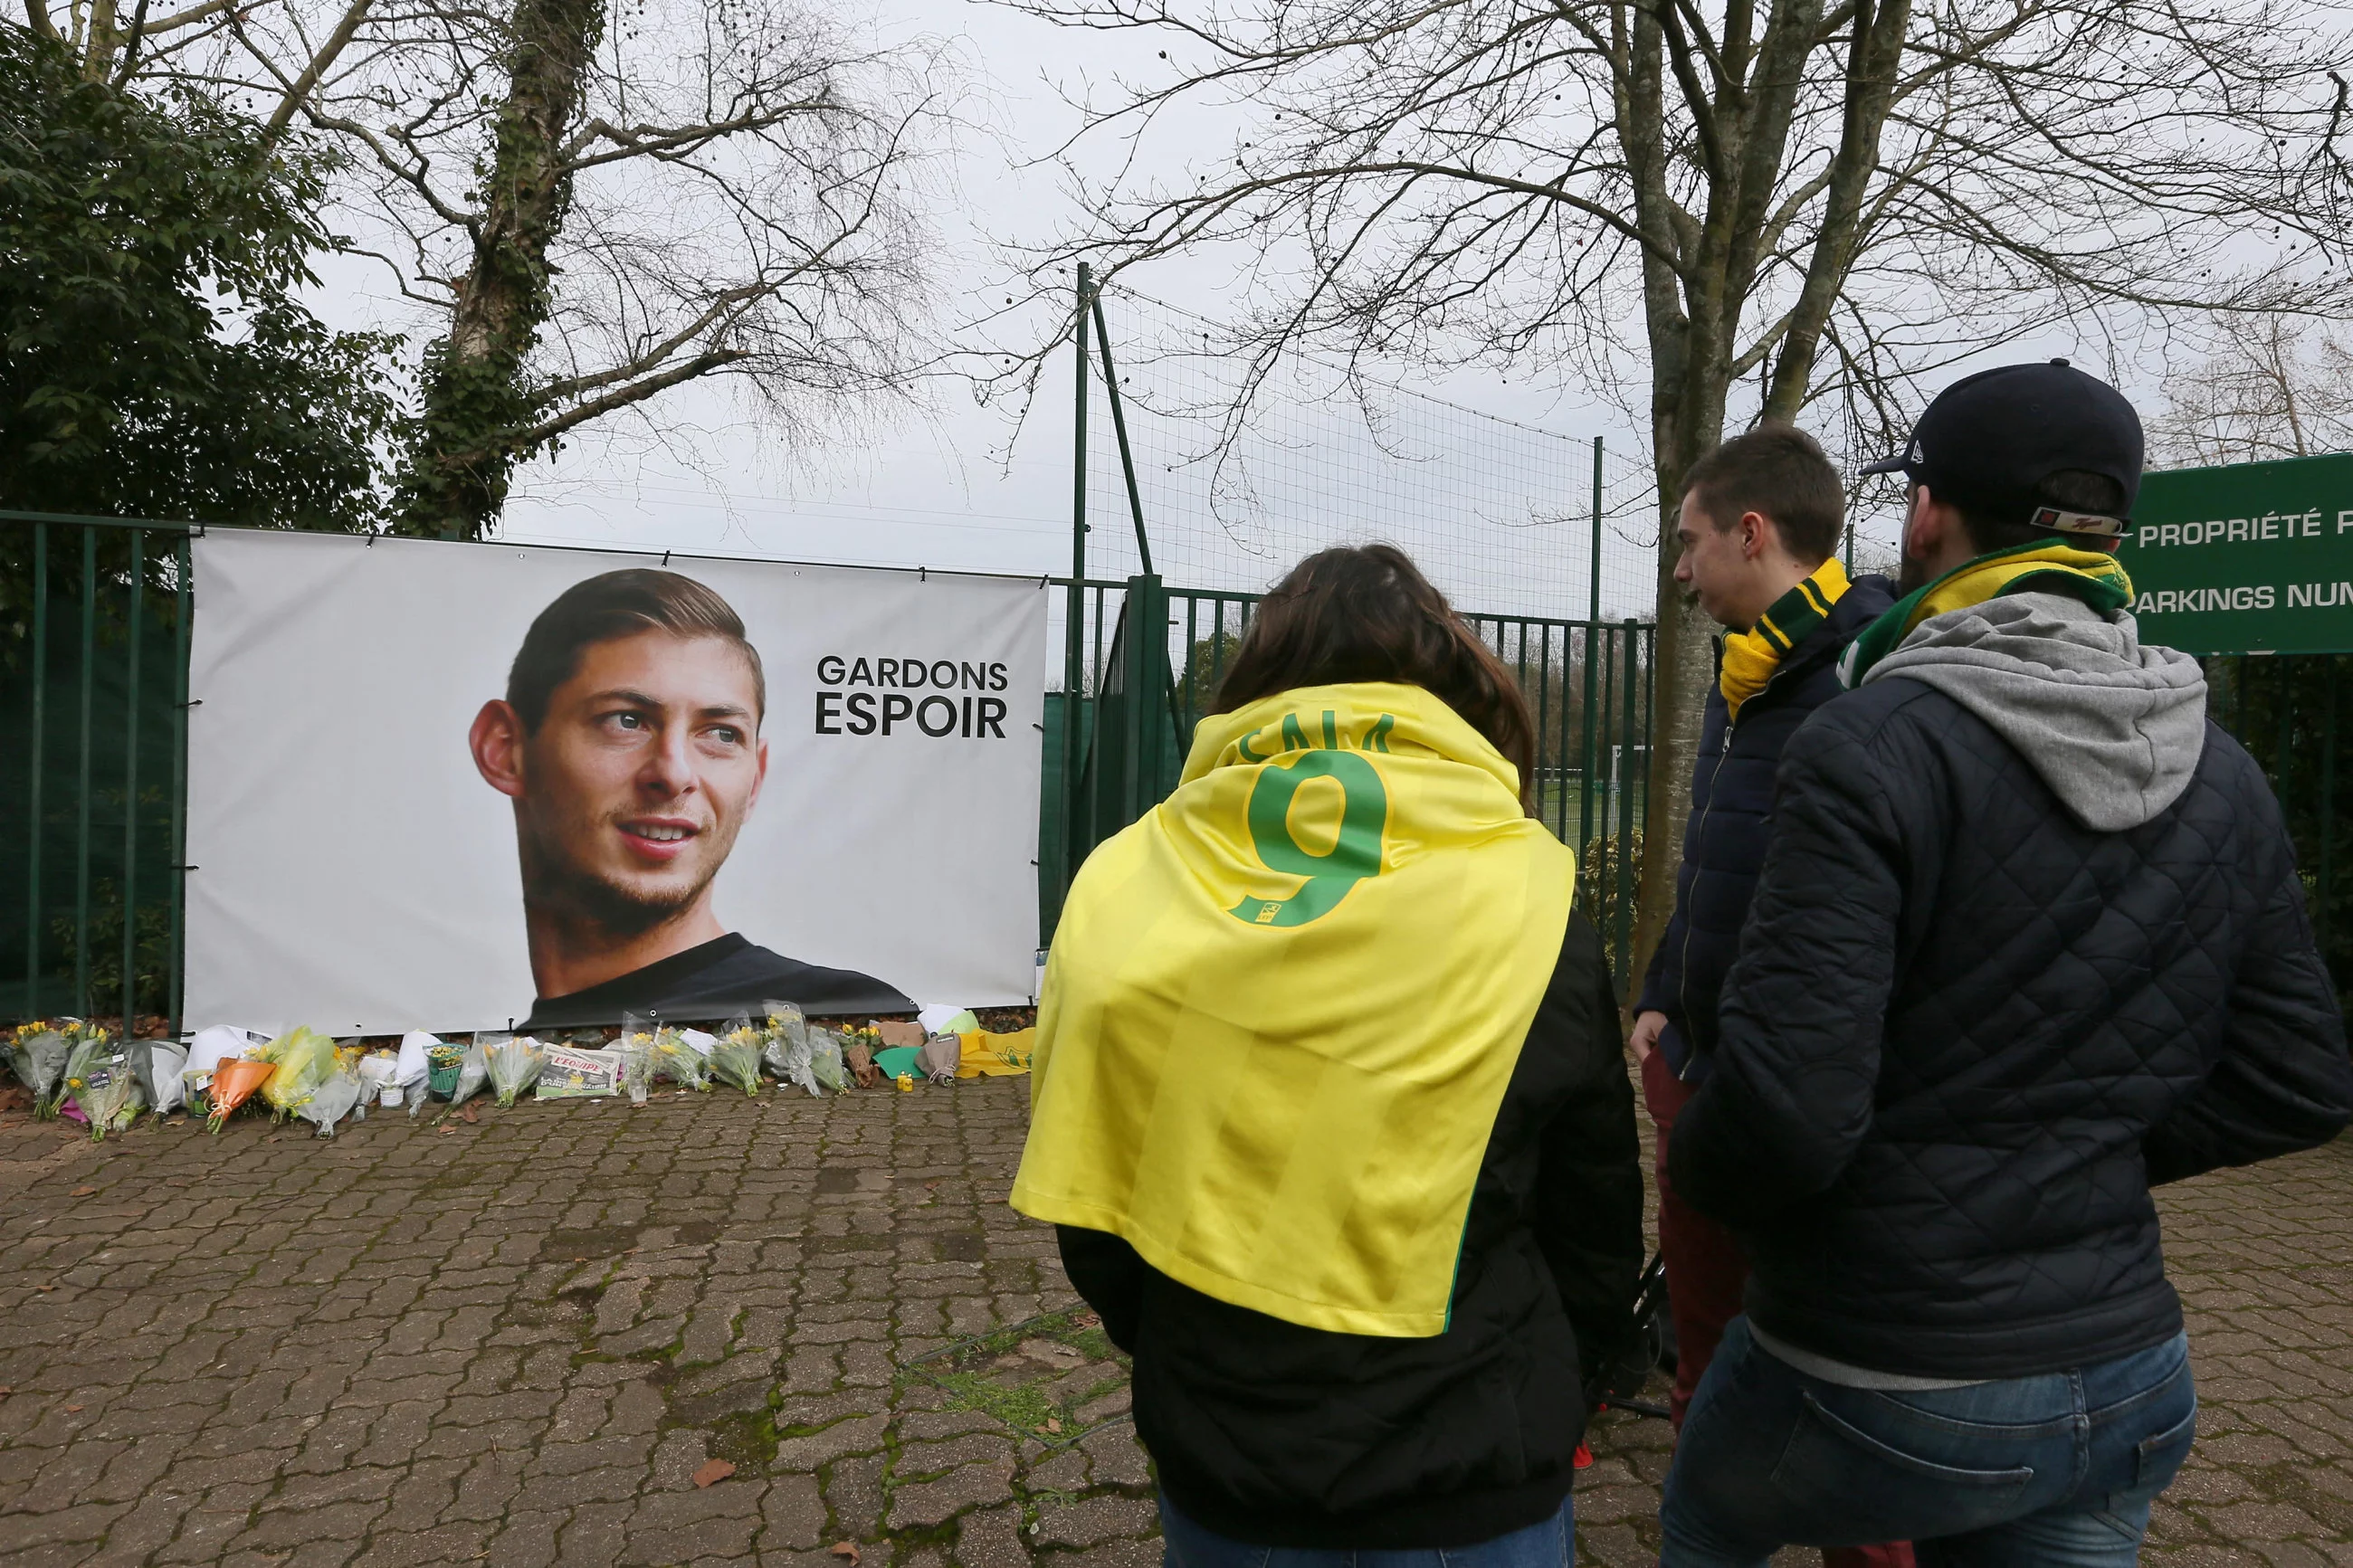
x: 2251, y: 558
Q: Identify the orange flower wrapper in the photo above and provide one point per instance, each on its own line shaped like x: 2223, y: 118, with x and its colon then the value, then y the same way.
x: 233, y: 1083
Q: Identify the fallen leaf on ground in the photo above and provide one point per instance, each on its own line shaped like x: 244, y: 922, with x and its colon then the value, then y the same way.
x: 713, y: 1471
x: 848, y: 1549
x: 468, y: 1113
x: 73, y: 1409
x: 83, y: 1192
x: 1053, y: 1425
x: 6, y: 1392
x: 43, y: 1287
x: 446, y: 1127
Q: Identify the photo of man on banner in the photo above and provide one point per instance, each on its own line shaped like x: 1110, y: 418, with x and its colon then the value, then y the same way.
x: 629, y: 744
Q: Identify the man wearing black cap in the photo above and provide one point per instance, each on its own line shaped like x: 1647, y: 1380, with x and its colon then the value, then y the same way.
x: 2029, y: 939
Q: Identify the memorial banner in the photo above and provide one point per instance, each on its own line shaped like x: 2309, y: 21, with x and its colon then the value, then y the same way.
x: 475, y: 786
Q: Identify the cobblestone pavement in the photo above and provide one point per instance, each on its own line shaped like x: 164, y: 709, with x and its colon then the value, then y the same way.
x: 520, y: 1341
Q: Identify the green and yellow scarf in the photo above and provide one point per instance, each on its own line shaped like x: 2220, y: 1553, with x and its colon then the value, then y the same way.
x: 2095, y: 576
x: 1750, y: 658
x: 1282, y: 1009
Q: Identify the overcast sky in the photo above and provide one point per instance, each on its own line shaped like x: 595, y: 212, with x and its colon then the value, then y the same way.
x: 946, y: 485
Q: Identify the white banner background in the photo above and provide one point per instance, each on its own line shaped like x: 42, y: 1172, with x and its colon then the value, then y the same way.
x: 353, y: 872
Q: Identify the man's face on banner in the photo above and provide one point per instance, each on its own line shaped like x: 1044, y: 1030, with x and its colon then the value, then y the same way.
x: 634, y: 787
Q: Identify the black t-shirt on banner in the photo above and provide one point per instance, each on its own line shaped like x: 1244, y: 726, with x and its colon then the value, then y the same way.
x: 719, y: 977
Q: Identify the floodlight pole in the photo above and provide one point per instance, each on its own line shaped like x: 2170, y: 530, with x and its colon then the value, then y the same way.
x: 1119, y: 427
x: 1075, y: 615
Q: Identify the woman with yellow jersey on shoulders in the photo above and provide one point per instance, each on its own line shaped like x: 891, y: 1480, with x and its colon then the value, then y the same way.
x: 1329, y: 1106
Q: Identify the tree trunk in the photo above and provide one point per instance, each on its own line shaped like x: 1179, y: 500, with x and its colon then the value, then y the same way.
x: 477, y: 394
x: 1687, y: 420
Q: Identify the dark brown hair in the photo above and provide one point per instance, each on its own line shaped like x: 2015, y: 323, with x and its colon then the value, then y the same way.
x: 617, y: 605
x: 1779, y: 472
x: 1992, y: 527
x: 1365, y: 612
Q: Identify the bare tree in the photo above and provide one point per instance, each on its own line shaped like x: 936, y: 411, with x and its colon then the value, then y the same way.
x: 1734, y: 211
x: 592, y: 204
x: 2267, y: 388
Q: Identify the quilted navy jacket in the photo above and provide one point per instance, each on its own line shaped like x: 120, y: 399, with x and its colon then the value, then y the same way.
x: 1732, y: 812
x: 1966, y: 1033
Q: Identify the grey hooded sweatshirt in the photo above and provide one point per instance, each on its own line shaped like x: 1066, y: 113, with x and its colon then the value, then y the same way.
x: 2113, y: 727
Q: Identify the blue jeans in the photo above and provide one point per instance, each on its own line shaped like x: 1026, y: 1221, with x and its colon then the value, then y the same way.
x: 2032, y: 1472
x: 1186, y: 1544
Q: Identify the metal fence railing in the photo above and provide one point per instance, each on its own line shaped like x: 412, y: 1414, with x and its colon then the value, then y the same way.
x: 95, y: 619
x: 2293, y: 713
x: 94, y: 624
x: 1118, y: 750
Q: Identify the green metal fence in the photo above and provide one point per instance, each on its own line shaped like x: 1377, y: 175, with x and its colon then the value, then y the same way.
x: 95, y: 615
x: 1147, y: 661
x: 2291, y: 713
x: 94, y: 622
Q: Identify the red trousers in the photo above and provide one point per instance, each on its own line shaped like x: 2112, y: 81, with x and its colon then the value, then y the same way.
x: 1707, y: 1273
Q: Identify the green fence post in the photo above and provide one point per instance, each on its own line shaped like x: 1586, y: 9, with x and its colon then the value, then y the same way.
x: 2327, y: 797
x: 81, y: 830
x: 41, y: 763
x: 131, y: 789
x: 1626, y: 808
x: 1148, y: 634
x: 174, y: 995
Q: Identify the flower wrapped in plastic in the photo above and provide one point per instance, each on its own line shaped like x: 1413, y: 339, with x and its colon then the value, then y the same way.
x: 38, y: 1052
x: 304, y: 1058
x: 638, y: 1066
x: 331, y: 1100
x: 735, y: 1057
x: 211, y: 1048
x: 513, y: 1065
x: 236, y: 1079
x: 157, y: 1065
x: 474, y: 1067
x: 826, y: 1066
x: 788, y: 1039
x: 104, y: 1087
x: 677, y: 1061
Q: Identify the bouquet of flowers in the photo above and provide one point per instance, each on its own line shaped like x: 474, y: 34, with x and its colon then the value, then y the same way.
x: 677, y: 1061
x: 636, y: 1048
x: 157, y: 1066
x: 735, y: 1058
x: 99, y: 1077
x: 304, y: 1060
x: 474, y: 1067
x: 941, y: 1058
x: 331, y: 1100
x: 513, y: 1065
x: 38, y: 1052
x: 787, y: 1031
x: 211, y: 1048
x: 830, y: 1074
x: 233, y: 1082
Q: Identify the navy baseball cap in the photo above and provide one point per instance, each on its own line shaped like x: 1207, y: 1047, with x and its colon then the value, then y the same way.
x: 1990, y: 441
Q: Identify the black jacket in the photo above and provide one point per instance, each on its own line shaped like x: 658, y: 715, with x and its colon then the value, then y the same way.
x: 1966, y: 1034
x: 726, y: 974
x: 1731, y: 815
x: 1284, y: 1435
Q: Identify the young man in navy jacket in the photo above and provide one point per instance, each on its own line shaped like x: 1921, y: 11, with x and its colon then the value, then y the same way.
x: 1762, y: 517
